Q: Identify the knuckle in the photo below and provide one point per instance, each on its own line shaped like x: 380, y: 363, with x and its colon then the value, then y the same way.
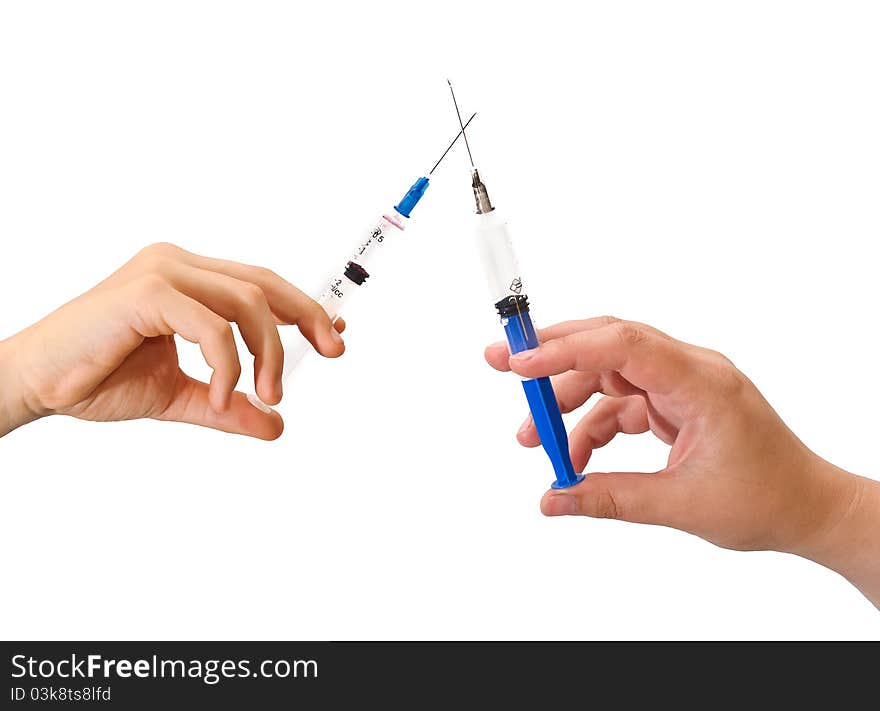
x: 630, y: 334
x: 266, y: 274
x: 605, y: 406
x: 150, y: 284
x: 252, y: 296
x: 260, y: 274
x: 550, y: 351
x: 609, y: 320
x: 614, y: 385
x: 604, y: 505
x: 314, y: 311
x: 220, y: 329
x: 728, y: 377
x: 723, y: 360
x: 569, y: 325
x: 732, y: 383
x: 158, y: 249
x: 156, y: 264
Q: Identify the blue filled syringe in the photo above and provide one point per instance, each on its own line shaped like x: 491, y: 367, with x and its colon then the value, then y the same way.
x: 357, y: 269
x: 510, y: 300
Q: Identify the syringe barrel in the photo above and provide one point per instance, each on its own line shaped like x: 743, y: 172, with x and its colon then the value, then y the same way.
x: 499, y: 260
x: 352, y: 275
x: 359, y: 266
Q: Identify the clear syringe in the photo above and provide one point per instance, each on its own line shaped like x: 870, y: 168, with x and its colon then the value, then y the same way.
x: 357, y: 269
x: 510, y: 299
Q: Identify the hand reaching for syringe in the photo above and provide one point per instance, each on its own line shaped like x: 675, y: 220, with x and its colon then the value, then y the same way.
x: 110, y: 353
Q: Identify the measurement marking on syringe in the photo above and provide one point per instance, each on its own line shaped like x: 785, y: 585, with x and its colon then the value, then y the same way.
x: 376, y: 237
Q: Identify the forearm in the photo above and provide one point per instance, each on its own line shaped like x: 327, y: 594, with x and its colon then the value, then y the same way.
x: 850, y: 545
x: 14, y: 408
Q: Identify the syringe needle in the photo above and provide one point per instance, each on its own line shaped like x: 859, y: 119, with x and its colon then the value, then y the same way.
x: 458, y: 113
x: 454, y: 140
x: 481, y: 196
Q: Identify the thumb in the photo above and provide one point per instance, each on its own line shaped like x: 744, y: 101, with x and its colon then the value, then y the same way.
x: 190, y: 404
x: 639, y: 497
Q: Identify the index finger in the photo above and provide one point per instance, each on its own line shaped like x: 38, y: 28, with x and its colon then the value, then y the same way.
x: 498, y: 354
x: 648, y: 360
x: 289, y: 304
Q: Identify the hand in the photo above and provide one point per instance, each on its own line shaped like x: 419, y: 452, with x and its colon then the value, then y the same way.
x: 110, y: 353
x: 736, y: 475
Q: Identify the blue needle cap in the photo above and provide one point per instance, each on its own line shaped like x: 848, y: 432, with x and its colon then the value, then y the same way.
x: 411, y: 199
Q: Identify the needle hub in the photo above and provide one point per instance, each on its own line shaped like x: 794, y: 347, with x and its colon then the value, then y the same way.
x: 481, y: 195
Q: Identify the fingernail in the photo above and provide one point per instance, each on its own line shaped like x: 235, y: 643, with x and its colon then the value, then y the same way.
x: 560, y: 505
x: 525, y: 425
x: 259, y: 404
x: 498, y: 344
x: 524, y: 355
x: 334, y: 334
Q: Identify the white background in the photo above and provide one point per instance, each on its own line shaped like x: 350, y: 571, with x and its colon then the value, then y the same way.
x: 709, y: 168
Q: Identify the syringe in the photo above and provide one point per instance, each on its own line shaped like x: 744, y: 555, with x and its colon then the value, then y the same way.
x: 510, y: 299
x: 356, y: 271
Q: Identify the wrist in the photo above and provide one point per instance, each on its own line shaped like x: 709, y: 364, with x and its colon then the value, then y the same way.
x: 15, y: 409
x: 826, y: 502
x: 846, y: 538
